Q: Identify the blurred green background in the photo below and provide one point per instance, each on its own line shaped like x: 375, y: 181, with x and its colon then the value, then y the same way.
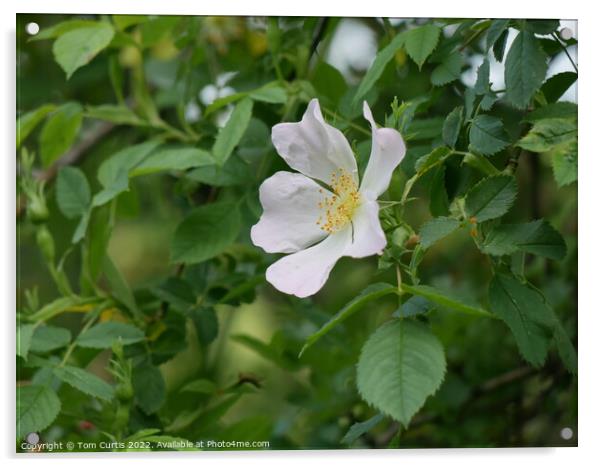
x: 490, y: 397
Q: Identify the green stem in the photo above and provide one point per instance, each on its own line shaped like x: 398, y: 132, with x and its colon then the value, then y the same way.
x: 348, y: 122
x: 73, y: 344
x: 566, y: 52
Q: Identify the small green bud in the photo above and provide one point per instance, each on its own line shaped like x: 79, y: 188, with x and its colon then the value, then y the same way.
x: 37, y: 210
x: 45, y: 243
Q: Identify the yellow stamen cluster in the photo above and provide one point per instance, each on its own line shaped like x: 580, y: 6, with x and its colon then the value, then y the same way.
x: 338, y: 208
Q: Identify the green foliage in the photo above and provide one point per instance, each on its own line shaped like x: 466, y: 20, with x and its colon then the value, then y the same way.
x: 452, y: 126
x: 149, y: 388
x: 49, y: 338
x: 205, y: 323
x: 27, y: 123
x: 230, y: 135
x: 24, y: 336
x: 383, y: 57
x: 358, y: 429
x: 77, y: 47
x: 401, y: 364
x: 557, y: 85
x: 525, y: 69
x: 526, y: 314
x: 487, y: 135
x: 447, y: 299
x: 142, y: 302
x: 59, y: 132
x: 421, y: 41
x: 537, y: 237
x: 72, y: 192
x: 37, y: 407
x: 84, y: 381
x: 491, y: 198
x: 549, y: 133
x: 448, y: 71
x: 564, y: 163
x: 218, y: 224
x: 372, y: 292
x: 436, y: 229
x: 103, y: 335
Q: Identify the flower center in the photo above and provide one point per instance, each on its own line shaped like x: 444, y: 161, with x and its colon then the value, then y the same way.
x: 338, y: 208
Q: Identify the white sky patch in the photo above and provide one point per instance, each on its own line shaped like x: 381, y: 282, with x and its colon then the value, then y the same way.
x: 559, y: 64
x: 352, y: 49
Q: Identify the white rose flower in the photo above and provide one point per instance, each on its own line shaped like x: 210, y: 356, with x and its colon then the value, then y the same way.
x: 322, y: 213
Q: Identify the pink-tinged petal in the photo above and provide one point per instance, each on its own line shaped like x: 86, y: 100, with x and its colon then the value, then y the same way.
x: 290, y: 212
x: 387, y: 152
x: 305, y: 272
x: 313, y: 147
x: 368, y: 236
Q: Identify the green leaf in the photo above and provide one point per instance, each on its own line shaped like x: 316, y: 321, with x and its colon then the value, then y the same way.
x: 526, y: 314
x: 452, y: 126
x: 27, y: 122
x: 448, y: 70
x: 436, y: 229
x: 490, y: 198
x: 49, y: 338
x: 206, y: 232
x: 370, y: 293
x: 525, y: 69
x: 446, y: 299
x: 565, y: 348
x: 205, y: 323
x: 119, y: 286
x: 421, y: 41
x: 542, y: 26
x: 113, y: 173
x: 499, y: 48
x: 425, y: 128
x: 381, y: 60
x: 359, y: 429
x: 59, y: 132
x: 498, y: 26
x: 56, y: 307
x: 230, y: 135
x: 165, y: 159
x: 104, y: 335
x: 401, y: 364
x: 118, y: 114
x: 72, y: 192
x: 416, y: 305
x: 548, y: 133
x: 82, y: 226
x: 432, y: 159
x: 329, y: 83
x: 536, y: 237
x: 85, y: 382
x: 78, y: 47
x: 555, y: 87
x: 149, y: 388
x: 234, y: 172
x: 564, y: 163
x: 481, y: 163
x: 24, y: 335
x: 438, y: 197
x: 554, y: 110
x: 487, y: 135
x: 61, y: 28
x: 272, y: 93
x: 200, y: 386
x: 37, y: 407
x: 482, y: 85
